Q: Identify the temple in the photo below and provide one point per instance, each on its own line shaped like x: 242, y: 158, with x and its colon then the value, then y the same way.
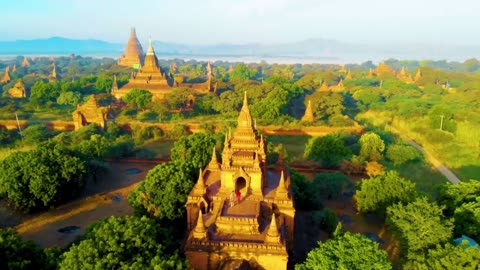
x: 133, y: 52
x: 88, y: 113
x: 308, y: 116
x: 25, y: 62
x: 418, y: 75
x: 18, y: 90
x: 404, y: 76
x: 53, y: 76
x: 149, y: 77
x: 383, y: 69
x: 255, y: 229
x: 324, y: 87
x: 6, y: 76
x: 339, y: 86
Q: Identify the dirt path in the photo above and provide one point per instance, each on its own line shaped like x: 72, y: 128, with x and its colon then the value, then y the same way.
x: 107, y: 197
x: 435, y: 162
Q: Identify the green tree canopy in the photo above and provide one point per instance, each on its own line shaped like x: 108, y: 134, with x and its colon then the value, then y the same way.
x: 330, y: 150
x: 463, y: 204
x: 379, y: 192
x: 371, y: 146
x: 350, y: 251
x: 419, y: 225
x: 195, y: 148
x: 43, y: 177
x: 138, y: 98
x: 164, y: 191
x: 401, y: 153
x: 242, y: 72
x: 123, y: 243
x: 446, y: 257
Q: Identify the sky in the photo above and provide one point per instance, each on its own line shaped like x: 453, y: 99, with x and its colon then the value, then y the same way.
x: 246, y: 21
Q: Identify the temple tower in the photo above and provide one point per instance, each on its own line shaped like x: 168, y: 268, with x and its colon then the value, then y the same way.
x: 308, y: 116
x: 132, y: 57
x: 25, y: 62
x: 6, y: 76
x: 18, y: 90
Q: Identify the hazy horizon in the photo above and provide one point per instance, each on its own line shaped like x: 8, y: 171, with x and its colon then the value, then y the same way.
x: 247, y: 21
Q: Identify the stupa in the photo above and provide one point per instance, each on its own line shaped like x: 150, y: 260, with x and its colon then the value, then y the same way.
x: 418, y: 75
x: 324, y: 87
x: 53, y: 74
x: 88, y: 113
x: 308, y: 116
x: 133, y: 54
x: 258, y: 228
x: 339, y: 86
x: 6, y: 75
x: 14, y: 69
x: 18, y: 90
x: 404, y: 76
x: 25, y: 62
x: 148, y: 77
x: 383, y: 69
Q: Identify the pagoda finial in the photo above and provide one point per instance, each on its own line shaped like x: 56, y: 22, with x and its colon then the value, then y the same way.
x: 281, y: 192
x: 199, y: 188
x: 245, y: 100
x: 245, y: 119
x: 150, y: 50
x: 272, y: 234
x: 213, y: 165
x: 200, y: 232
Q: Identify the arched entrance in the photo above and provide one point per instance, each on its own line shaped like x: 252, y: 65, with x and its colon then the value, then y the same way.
x: 203, y: 208
x: 241, y: 185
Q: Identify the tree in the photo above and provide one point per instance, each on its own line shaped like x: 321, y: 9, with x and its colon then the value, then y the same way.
x: 462, y: 202
x: 42, y: 92
x: 441, y: 117
x: 69, y: 98
x: 330, y: 185
x: 401, y: 153
x: 373, y: 168
x: 419, y: 225
x: 304, y: 193
x: 377, y: 193
x: 15, y: 253
x: 123, y: 243
x: 34, y: 134
x: 329, y: 150
x: 446, y: 257
x: 196, y: 148
x: 164, y: 191
x: 348, y: 251
x: 371, y: 146
x: 43, y: 177
x: 242, y: 72
x: 138, y: 98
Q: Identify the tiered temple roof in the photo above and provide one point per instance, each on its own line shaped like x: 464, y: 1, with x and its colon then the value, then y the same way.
x: 256, y: 228
x: 133, y: 54
x: 383, y: 69
x: 18, y: 90
x: 88, y: 113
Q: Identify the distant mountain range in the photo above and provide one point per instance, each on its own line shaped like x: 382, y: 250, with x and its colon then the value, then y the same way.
x: 322, y: 48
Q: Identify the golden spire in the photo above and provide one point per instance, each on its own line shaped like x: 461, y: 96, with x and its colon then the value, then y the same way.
x: 200, y: 232
x: 199, y: 188
x: 25, y: 62
x: 213, y: 165
x: 349, y: 75
x: 14, y: 69
x: 418, y: 75
x: 6, y: 77
x: 324, y: 86
x: 281, y: 192
x: 308, y: 116
x: 7, y: 69
x: 245, y: 119
x: 150, y: 50
x: 272, y: 234
x: 54, y: 71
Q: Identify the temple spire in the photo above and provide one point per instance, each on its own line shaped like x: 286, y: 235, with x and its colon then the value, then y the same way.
x: 25, y: 62
x: 281, y: 192
x: 114, y: 85
x: 272, y: 234
x: 308, y: 116
x: 200, y: 232
x: 200, y: 188
x: 245, y: 119
x: 150, y: 50
x: 6, y: 76
x: 213, y: 165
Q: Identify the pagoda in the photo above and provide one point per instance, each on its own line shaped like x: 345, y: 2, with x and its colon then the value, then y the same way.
x: 18, y: 90
x: 133, y: 52
x: 25, y: 62
x: 418, y: 75
x: 339, y: 86
x: 404, y: 76
x: 149, y: 77
x: 53, y: 74
x: 88, y: 113
x: 308, y: 116
x: 14, y: 69
x: 256, y: 230
x: 324, y: 87
x: 383, y: 69
x: 6, y: 76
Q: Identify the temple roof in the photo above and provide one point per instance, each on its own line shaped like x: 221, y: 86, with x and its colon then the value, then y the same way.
x: 133, y: 51
x: 245, y: 118
x: 151, y: 62
x: 308, y: 116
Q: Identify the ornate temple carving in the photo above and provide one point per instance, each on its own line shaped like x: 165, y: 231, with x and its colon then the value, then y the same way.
x: 133, y: 54
x: 88, y: 113
x: 258, y: 227
x: 18, y: 90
